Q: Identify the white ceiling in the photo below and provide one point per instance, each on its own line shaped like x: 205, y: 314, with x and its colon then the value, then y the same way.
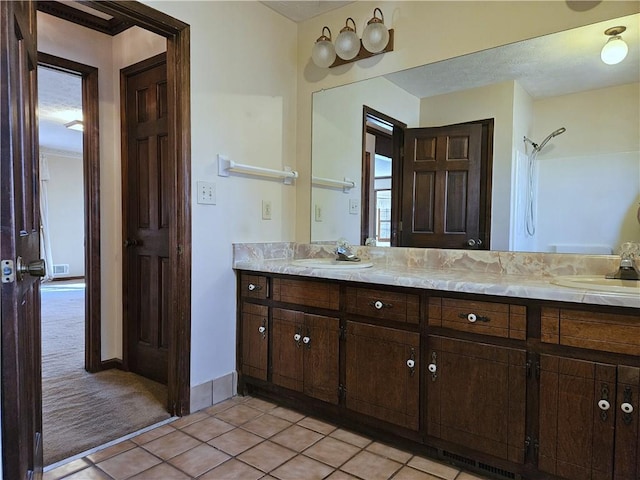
x: 59, y: 102
x: 547, y: 66
x: 300, y: 11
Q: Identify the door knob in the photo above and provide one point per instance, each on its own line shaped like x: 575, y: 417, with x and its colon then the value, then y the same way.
x: 35, y: 268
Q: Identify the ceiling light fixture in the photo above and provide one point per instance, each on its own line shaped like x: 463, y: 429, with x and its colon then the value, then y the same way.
x: 376, y: 39
x: 75, y: 125
x: 615, y: 50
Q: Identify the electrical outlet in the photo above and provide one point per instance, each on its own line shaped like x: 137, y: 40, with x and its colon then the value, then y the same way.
x: 206, y: 193
x: 318, y: 212
x: 266, y: 209
x: 354, y: 206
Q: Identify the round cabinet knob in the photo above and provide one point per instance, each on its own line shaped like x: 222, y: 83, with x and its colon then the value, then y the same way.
x: 471, y: 242
x: 472, y: 317
x: 297, y: 337
x: 411, y: 363
x: 378, y: 305
x: 626, y: 407
x: 251, y: 287
x: 306, y: 340
x: 262, y: 329
x: 432, y: 367
x: 604, y: 405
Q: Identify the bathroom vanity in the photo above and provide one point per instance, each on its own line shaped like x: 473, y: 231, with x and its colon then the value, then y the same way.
x: 468, y: 357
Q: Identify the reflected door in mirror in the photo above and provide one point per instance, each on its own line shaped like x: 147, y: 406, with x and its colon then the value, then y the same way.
x: 441, y: 187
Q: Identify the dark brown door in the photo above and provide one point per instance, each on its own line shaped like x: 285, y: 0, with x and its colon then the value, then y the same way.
x: 19, y: 242
x: 254, y: 340
x: 379, y: 381
x: 441, y: 182
x: 576, y: 436
x: 147, y: 209
x: 476, y: 396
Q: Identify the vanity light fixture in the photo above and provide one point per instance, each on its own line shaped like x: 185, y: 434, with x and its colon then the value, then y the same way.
x: 376, y: 39
x: 348, y: 43
x: 323, y: 53
x: 75, y: 125
x: 615, y: 50
x: 376, y: 35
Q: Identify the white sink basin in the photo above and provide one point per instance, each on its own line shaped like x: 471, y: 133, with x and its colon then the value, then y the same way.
x: 330, y: 263
x: 599, y: 283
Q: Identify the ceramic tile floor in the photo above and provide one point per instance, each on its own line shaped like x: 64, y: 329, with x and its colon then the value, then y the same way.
x: 247, y: 438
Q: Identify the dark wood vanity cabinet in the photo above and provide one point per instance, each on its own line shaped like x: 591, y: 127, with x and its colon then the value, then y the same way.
x: 255, y: 331
x: 588, y: 419
x: 383, y: 373
x: 515, y: 389
x: 589, y: 410
x: 476, y: 396
x: 305, y: 355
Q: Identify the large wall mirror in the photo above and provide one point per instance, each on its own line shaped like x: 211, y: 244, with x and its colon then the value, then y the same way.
x: 579, y: 193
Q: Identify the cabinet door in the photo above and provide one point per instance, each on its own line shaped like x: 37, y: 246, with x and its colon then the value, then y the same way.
x: 254, y: 340
x: 627, y: 451
x: 321, y: 357
x: 476, y: 396
x: 286, y: 360
x: 576, y: 436
x: 379, y: 382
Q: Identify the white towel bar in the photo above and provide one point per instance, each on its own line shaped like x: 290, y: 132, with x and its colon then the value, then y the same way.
x: 225, y: 166
x: 345, y: 184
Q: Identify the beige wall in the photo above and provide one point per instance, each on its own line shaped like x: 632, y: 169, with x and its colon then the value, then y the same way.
x: 425, y: 32
x: 65, y: 196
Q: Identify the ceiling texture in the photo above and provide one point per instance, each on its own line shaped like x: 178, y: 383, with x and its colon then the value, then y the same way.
x: 545, y: 66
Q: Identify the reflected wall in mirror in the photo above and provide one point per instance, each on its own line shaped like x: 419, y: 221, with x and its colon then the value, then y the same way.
x: 585, y: 182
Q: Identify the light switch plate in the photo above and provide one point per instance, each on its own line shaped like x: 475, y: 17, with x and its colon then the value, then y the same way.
x: 206, y: 193
x: 354, y: 206
x: 266, y: 209
x: 318, y: 213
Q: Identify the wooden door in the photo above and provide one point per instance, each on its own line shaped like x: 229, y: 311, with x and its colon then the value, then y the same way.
x: 147, y: 210
x: 321, y: 357
x: 441, y: 182
x: 379, y: 382
x: 476, y: 396
x: 19, y: 241
x: 576, y: 436
x: 287, y: 332
x: 627, y: 411
x: 254, y: 340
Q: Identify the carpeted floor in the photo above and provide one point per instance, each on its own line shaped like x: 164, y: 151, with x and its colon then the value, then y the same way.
x: 82, y: 410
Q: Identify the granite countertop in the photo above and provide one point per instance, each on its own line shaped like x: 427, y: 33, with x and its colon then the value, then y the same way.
x: 449, y: 280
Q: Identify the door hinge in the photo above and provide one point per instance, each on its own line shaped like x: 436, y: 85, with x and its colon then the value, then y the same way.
x: 180, y: 249
x: 400, y: 226
x: 8, y: 272
x: 342, y: 392
x: 343, y: 333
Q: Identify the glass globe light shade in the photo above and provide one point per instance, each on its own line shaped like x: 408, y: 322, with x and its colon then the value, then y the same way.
x: 375, y: 36
x: 614, y: 51
x: 323, y: 53
x: 347, y: 43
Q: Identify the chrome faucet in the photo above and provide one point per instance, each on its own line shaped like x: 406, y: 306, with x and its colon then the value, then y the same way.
x: 627, y: 269
x: 344, y: 253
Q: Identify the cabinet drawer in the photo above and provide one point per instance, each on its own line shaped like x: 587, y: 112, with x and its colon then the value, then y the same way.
x: 307, y: 292
x: 488, y: 318
x: 607, y: 332
x: 253, y: 286
x: 399, y: 307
